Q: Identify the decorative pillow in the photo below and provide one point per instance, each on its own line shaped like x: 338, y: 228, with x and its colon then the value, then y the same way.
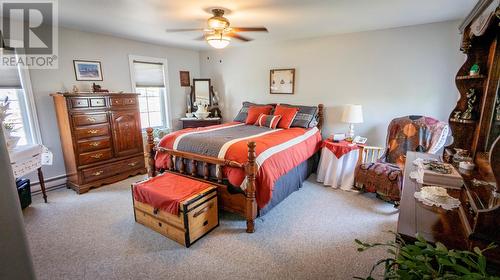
x: 287, y: 115
x: 306, y: 116
x: 255, y: 111
x: 270, y: 121
x: 243, y: 113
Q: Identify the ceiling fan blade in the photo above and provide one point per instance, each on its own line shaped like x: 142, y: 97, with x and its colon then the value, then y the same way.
x: 200, y: 38
x: 249, y: 29
x: 239, y: 37
x: 184, y: 29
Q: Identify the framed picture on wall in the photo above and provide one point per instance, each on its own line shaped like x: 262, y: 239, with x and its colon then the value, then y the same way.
x: 185, y: 80
x: 87, y: 70
x: 282, y: 81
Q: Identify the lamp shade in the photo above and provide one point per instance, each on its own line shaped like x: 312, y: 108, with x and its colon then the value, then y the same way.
x: 352, y: 114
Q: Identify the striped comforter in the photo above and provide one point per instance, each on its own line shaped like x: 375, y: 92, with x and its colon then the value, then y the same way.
x: 278, y: 150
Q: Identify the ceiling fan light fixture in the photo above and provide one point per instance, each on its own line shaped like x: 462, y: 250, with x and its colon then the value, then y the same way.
x: 218, y: 41
x: 217, y: 23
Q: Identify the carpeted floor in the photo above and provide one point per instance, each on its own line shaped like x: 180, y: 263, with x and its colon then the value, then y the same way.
x: 308, y: 236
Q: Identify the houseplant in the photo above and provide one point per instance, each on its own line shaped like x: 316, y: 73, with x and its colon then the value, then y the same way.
x: 422, y: 260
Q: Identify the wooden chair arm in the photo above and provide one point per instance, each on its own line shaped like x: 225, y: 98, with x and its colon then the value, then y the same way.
x: 370, y: 154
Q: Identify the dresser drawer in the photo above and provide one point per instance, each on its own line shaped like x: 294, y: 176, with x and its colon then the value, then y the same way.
x: 94, y: 144
x: 96, y: 156
x: 92, y: 131
x: 132, y: 163
x: 79, y: 103
x: 98, y: 102
x: 123, y: 101
x: 89, y: 119
x: 96, y: 173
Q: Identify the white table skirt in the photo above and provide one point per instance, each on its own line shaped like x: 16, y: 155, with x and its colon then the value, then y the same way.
x: 338, y: 173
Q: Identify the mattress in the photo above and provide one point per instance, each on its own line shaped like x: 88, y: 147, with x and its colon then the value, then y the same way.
x: 278, y: 151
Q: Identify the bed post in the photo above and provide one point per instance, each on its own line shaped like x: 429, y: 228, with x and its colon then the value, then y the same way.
x: 320, y: 116
x: 251, y: 204
x: 151, y: 153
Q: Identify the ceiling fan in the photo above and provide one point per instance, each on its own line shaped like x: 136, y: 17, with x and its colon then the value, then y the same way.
x: 218, y: 32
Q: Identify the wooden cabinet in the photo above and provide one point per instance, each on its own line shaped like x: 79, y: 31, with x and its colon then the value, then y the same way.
x: 100, y: 136
x: 126, y: 123
x: 192, y: 123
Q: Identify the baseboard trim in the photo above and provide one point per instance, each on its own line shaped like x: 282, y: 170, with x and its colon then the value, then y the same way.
x: 48, y: 189
x: 51, y: 183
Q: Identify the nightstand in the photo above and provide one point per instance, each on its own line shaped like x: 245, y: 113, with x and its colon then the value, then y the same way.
x: 337, y: 164
x: 190, y: 123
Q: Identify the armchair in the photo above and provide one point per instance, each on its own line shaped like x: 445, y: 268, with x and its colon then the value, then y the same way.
x: 409, y: 133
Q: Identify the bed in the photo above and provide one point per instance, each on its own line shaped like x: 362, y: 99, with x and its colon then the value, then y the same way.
x: 254, y: 168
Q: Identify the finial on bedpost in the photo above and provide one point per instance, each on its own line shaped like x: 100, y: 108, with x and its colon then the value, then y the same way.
x: 251, y: 203
x: 150, y: 151
x: 320, y: 116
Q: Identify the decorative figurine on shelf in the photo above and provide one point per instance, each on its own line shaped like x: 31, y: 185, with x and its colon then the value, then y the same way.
x: 457, y: 114
x: 471, y: 100
x: 97, y: 88
x: 474, y: 70
x: 75, y: 89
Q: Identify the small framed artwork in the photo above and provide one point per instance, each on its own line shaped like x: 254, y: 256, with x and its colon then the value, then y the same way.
x: 282, y: 81
x: 185, y: 80
x: 87, y: 70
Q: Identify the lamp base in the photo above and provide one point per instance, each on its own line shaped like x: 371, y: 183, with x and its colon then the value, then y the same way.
x: 350, y: 134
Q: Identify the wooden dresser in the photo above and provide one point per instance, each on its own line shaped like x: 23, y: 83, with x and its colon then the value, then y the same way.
x: 100, y: 136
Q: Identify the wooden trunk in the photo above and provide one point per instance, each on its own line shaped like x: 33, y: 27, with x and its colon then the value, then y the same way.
x: 100, y: 136
x: 198, y: 215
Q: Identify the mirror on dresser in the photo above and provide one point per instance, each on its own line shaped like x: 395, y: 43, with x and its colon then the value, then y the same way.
x: 201, y: 90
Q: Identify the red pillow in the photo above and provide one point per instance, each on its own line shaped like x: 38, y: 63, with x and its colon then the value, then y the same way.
x: 287, y: 115
x: 255, y: 111
x: 270, y: 121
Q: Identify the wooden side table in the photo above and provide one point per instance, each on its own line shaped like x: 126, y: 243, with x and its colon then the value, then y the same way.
x: 192, y: 123
x: 27, y: 159
x: 337, y: 164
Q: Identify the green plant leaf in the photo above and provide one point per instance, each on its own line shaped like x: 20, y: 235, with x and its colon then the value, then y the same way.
x: 478, y: 251
x: 461, y: 269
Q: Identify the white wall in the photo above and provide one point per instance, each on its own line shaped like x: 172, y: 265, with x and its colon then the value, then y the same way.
x: 393, y: 72
x: 113, y: 53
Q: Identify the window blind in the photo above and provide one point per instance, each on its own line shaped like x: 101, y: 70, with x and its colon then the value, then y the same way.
x: 9, y: 76
x: 148, y: 74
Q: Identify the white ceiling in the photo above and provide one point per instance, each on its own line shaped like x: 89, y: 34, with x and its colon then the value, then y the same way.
x: 146, y: 20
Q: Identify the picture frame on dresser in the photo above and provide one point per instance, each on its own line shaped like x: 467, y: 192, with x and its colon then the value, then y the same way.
x: 282, y: 81
x: 87, y: 70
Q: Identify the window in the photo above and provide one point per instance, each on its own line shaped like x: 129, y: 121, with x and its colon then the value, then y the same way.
x: 15, y: 85
x: 148, y: 79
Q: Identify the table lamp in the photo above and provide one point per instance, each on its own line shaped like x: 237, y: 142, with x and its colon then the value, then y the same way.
x: 352, y: 114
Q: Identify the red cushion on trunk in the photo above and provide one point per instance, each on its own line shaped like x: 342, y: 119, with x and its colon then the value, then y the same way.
x: 167, y: 191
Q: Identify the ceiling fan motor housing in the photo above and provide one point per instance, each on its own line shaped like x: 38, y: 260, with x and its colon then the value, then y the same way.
x: 218, y: 21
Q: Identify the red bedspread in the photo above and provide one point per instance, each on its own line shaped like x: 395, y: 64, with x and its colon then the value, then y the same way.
x: 278, y: 151
x: 167, y: 191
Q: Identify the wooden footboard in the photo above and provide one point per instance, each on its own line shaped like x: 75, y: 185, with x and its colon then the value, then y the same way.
x: 243, y: 204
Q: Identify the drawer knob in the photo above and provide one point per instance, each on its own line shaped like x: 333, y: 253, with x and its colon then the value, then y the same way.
x: 97, y: 173
x: 93, y: 131
x: 90, y: 119
x: 132, y: 164
x: 95, y: 144
x: 96, y: 156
